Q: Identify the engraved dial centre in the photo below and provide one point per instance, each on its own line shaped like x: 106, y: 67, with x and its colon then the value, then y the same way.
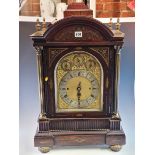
x: 83, y: 91
x: 79, y: 88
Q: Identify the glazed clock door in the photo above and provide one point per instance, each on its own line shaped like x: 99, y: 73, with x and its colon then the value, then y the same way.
x: 78, y: 82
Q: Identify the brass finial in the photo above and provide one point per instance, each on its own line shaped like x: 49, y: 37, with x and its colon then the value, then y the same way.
x: 38, y: 26
x: 44, y: 25
x: 118, y: 25
x: 110, y: 24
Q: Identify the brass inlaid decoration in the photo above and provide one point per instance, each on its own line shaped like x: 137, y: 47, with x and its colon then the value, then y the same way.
x: 80, y: 140
x: 53, y: 52
x: 78, y: 82
x: 107, y: 82
x: 104, y: 52
x: 88, y: 33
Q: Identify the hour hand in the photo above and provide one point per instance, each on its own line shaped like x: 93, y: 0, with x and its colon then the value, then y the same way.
x: 79, y: 87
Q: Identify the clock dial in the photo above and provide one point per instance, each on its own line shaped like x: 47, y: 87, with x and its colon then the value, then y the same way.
x: 79, y: 81
x: 79, y: 88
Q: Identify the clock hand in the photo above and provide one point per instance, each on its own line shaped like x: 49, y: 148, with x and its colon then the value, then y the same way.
x: 79, y: 93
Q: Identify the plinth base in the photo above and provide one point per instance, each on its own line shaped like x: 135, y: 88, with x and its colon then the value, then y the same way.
x: 47, y: 140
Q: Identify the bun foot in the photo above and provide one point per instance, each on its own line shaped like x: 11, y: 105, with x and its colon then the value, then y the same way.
x: 44, y: 149
x: 115, y: 148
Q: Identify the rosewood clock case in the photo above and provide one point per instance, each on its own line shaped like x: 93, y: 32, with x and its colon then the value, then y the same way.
x: 69, y: 36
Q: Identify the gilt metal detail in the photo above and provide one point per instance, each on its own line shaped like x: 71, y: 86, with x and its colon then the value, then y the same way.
x: 110, y: 24
x: 107, y: 83
x: 44, y: 25
x: 115, y: 115
x: 104, y: 52
x: 115, y: 148
x: 118, y: 25
x: 38, y: 25
x: 53, y: 52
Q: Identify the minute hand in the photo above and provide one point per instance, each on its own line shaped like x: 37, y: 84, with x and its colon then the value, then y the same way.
x: 79, y: 93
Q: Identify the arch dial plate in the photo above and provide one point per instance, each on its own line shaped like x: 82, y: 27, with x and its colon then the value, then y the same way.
x: 79, y: 87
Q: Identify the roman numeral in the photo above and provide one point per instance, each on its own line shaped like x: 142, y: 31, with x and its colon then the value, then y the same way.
x: 65, y: 96
x: 71, y: 75
x: 79, y: 74
x: 94, y: 88
x: 92, y: 81
x: 92, y: 95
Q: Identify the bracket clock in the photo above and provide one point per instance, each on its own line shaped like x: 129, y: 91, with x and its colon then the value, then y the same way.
x: 78, y: 71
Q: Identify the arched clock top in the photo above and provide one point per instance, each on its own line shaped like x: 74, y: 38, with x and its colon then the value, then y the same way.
x: 91, y: 30
x: 77, y: 30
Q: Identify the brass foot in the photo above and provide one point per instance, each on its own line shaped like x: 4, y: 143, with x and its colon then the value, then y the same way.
x: 44, y: 149
x: 115, y: 148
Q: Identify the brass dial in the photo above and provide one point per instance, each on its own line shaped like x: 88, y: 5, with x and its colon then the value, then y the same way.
x: 79, y: 88
x: 78, y: 83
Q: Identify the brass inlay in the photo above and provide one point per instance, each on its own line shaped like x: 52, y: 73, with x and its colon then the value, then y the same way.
x: 107, y: 82
x: 79, y: 140
x: 79, y: 115
x: 53, y: 52
x: 104, y: 52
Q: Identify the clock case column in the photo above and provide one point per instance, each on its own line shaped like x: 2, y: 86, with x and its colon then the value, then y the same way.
x: 57, y: 129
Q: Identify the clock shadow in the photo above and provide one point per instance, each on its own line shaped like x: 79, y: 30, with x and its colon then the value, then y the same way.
x: 92, y: 147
